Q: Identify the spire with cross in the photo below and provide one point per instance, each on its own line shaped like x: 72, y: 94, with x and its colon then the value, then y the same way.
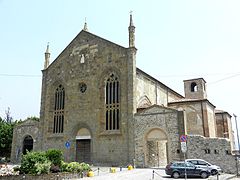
x: 131, y: 31
x: 85, y: 25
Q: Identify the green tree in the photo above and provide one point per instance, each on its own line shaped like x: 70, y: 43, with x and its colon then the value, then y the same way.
x: 6, y: 134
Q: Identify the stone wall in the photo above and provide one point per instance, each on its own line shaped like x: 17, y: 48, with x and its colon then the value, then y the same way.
x: 199, y: 116
x: 224, y: 126
x: 155, y: 91
x: 214, y: 150
x: 168, y: 123
x: 210, y: 119
x: 194, y: 116
x: 28, y: 127
x: 90, y: 59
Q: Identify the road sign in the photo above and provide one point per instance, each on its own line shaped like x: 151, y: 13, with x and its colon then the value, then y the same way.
x: 183, y: 138
x: 184, y: 147
x: 67, y: 144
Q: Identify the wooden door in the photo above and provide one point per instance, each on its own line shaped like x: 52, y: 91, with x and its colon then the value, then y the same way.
x: 83, y: 150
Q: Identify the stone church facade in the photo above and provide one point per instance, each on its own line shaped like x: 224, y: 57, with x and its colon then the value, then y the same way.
x: 98, y: 107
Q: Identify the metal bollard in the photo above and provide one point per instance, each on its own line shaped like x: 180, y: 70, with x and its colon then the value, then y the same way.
x: 153, y: 175
x: 217, y: 176
x: 98, y: 171
x: 120, y: 168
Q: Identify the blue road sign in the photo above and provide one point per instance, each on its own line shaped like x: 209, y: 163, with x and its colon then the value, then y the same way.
x: 183, y: 138
x: 67, y: 144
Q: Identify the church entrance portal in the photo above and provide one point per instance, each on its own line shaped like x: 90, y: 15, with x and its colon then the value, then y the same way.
x: 27, y: 144
x: 83, y: 146
x: 156, y: 146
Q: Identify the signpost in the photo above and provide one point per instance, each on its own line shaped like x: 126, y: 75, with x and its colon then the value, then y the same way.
x: 183, y: 141
x: 67, y: 145
x: 184, y: 147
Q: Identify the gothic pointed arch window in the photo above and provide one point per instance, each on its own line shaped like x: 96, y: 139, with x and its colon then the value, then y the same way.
x: 112, y: 102
x: 58, y: 121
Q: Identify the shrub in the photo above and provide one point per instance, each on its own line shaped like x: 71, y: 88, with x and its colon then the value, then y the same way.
x: 43, y: 168
x: 29, y: 161
x: 74, y: 167
x: 64, y: 166
x: 85, y: 166
x: 55, y: 156
x: 42, y: 162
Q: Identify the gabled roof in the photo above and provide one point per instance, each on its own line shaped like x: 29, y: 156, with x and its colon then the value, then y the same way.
x: 28, y: 122
x: 154, y: 79
x: 191, y: 101
x: 90, y: 35
x: 217, y: 111
x: 194, y: 79
x: 155, y: 109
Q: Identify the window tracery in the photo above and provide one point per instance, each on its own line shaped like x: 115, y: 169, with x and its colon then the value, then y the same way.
x: 112, y: 103
x: 58, y: 121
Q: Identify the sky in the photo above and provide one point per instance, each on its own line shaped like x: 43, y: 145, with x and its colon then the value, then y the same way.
x: 176, y: 40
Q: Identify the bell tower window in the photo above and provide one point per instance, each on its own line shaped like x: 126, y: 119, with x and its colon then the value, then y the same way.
x: 194, y: 87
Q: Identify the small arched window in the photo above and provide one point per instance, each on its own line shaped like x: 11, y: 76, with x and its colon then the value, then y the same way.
x: 27, y: 144
x: 194, y: 87
x: 112, y: 102
x: 58, y: 122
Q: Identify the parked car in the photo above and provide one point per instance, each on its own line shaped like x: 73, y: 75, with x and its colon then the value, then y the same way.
x: 177, y: 169
x: 214, y: 169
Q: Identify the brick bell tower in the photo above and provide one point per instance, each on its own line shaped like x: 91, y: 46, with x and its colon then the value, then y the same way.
x: 195, y: 88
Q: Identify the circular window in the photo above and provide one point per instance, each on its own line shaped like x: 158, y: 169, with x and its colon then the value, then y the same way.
x: 82, y: 87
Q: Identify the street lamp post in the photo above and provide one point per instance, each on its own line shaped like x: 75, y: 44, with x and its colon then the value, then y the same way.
x: 238, y: 141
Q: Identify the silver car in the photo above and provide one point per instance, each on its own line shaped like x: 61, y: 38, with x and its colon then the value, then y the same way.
x: 204, y: 164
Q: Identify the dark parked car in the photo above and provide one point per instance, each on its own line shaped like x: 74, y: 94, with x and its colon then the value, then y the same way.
x: 214, y: 169
x: 177, y: 169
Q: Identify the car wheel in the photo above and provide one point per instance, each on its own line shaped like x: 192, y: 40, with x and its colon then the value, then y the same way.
x: 214, y: 172
x: 204, y: 175
x: 175, y: 175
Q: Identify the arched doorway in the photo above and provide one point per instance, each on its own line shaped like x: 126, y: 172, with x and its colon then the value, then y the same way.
x: 83, y: 146
x: 156, y: 148
x: 27, y: 144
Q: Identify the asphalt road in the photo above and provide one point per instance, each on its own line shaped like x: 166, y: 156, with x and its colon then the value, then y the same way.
x: 103, y: 173
x: 142, y: 174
